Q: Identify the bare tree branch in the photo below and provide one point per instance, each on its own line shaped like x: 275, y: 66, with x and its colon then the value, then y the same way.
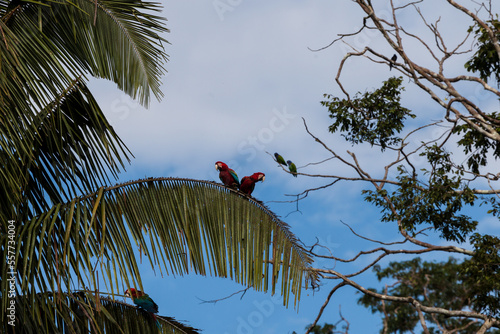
x: 338, y: 286
x: 451, y: 92
x: 489, y: 322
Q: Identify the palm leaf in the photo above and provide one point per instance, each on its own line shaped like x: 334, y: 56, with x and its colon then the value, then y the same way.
x: 126, y: 48
x: 182, y: 225
x: 84, y: 312
x: 73, y: 151
x: 45, y: 45
x: 46, y: 48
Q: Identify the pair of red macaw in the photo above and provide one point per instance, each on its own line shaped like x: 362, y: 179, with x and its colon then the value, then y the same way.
x: 230, y: 179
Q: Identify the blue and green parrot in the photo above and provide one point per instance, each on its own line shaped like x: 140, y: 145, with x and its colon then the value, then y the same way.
x: 143, y: 301
x: 292, y: 168
x: 279, y: 159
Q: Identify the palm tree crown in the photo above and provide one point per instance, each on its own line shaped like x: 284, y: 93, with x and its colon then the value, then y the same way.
x: 58, y: 153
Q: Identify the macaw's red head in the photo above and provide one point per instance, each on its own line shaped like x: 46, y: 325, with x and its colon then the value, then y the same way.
x: 219, y: 165
x: 258, y: 177
x: 131, y: 292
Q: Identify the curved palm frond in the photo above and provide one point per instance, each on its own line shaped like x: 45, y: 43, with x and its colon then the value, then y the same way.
x: 74, y: 150
x: 46, y: 44
x: 45, y: 49
x: 181, y: 225
x: 84, y: 312
x: 126, y: 48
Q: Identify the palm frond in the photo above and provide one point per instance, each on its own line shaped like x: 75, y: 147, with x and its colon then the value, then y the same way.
x: 181, y: 225
x: 84, y: 312
x: 118, y: 41
x: 46, y: 47
x: 46, y: 44
x: 72, y: 150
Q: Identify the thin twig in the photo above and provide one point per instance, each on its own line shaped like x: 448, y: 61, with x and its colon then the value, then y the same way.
x: 214, y: 301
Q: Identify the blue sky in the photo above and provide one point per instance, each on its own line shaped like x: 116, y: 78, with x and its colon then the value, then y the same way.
x: 240, y: 80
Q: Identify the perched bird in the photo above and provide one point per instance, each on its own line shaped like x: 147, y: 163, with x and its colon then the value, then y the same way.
x: 228, y: 176
x: 143, y: 301
x: 279, y: 159
x: 393, y: 60
x: 292, y: 167
x: 248, y: 182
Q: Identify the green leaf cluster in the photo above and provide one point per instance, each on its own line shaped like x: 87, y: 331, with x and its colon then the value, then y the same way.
x: 485, y: 60
x: 373, y: 117
x: 482, y: 274
x: 56, y: 142
x: 438, y: 202
x: 325, y: 329
x: 434, y: 284
x: 476, y: 145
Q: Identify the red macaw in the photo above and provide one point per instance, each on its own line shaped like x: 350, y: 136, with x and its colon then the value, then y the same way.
x: 248, y: 182
x: 143, y: 301
x: 228, y: 176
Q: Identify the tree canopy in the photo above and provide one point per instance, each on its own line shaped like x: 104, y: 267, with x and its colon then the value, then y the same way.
x: 437, y: 178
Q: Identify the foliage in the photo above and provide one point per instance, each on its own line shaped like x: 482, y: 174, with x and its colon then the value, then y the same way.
x: 476, y: 145
x: 372, y: 117
x: 435, y: 178
x: 437, y: 201
x: 482, y: 274
x: 182, y: 225
x: 317, y: 329
x: 485, y: 60
x: 432, y: 283
x: 94, y: 312
x: 325, y: 329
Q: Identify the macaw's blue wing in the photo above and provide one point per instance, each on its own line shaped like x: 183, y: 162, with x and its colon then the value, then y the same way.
x: 146, y: 303
x: 234, y: 175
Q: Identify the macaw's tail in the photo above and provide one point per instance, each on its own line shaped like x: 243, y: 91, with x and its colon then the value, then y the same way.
x: 156, y: 319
